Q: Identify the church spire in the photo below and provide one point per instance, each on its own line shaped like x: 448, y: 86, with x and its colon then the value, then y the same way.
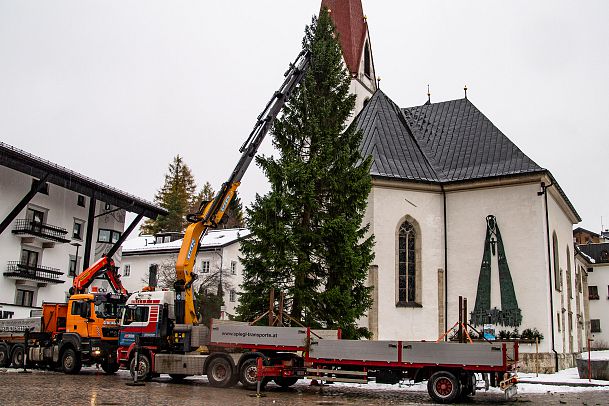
x: 352, y: 28
x: 351, y: 25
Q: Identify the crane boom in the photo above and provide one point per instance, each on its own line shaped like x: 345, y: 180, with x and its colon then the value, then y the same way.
x: 210, y: 213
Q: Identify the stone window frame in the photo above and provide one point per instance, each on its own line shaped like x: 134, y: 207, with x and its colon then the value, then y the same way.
x: 418, y: 302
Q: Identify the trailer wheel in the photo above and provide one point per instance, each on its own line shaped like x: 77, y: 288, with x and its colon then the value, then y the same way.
x: 220, y: 373
x: 70, y: 362
x: 143, y: 369
x: 285, y: 382
x: 248, y: 374
x: 4, y: 356
x: 17, y: 356
x: 443, y: 387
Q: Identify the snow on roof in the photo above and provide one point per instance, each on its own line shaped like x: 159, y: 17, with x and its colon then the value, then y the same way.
x: 214, y: 238
x: 583, y: 254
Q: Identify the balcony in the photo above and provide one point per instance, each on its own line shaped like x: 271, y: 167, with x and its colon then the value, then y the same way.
x: 41, y: 230
x: 38, y: 273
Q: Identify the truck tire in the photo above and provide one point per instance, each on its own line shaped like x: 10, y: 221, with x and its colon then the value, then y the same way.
x: 17, y: 356
x: 443, y: 387
x: 220, y: 373
x: 285, y: 382
x: 144, y: 369
x: 109, y: 367
x: 70, y: 361
x: 248, y: 374
x: 5, y: 358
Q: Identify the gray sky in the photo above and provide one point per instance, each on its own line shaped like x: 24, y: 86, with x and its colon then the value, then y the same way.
x: 115, y: 89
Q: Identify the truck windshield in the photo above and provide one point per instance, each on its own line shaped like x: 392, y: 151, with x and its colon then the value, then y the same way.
x: 108, y: 310
x: 135, y: 315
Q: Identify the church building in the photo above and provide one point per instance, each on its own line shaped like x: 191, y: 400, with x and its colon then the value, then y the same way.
x: 451, y: 202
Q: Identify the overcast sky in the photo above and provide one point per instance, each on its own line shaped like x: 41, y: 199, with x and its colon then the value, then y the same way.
x: 115, y: 89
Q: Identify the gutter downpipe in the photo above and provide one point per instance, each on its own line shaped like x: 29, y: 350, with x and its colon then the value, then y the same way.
x: 545, y: 195
x: 445, y: 265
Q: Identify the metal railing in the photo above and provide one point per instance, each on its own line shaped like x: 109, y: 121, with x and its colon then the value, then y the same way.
x: 42, y: 230
x: 18, y: 269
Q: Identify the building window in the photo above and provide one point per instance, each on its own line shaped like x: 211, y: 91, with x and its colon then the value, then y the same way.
x: 153, y: 270
x: 232, y: 295
x: 29, y: 258
x: 595, y: 325
x: 557, y: 282
x: 233, y: 267
x: 127, y: 270
x: 108, y: 236
x: 407, y: 264
x: 78, y: 229
x: 367, y: 63
x: 558, y: 320
x: 205, y: 266
x: 6, y: 315
x: 24, y: 297
x: 569, y: 278
x: 73, y: 265
x: 35, y: 216
x: 45, y: 188
x: 80, y: 200
x: 593, y: 293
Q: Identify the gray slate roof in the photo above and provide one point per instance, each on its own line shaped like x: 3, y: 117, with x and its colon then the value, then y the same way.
x: 599, y: 252
x: 439, y: 142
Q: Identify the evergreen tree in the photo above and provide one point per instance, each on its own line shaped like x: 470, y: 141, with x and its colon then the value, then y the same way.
x: 308, y: 236
x: 233, y: 216
x: 175, y: 196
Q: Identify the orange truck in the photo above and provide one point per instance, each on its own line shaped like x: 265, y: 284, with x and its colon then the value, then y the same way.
x: 67, y: 336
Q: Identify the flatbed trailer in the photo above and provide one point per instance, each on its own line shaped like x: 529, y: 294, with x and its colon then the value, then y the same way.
x: 231, y: 352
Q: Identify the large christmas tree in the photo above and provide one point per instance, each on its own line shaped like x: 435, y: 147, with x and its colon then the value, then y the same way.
x: 308, y: 239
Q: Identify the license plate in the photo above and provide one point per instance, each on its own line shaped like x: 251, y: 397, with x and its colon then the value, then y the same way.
x: 511, y: 391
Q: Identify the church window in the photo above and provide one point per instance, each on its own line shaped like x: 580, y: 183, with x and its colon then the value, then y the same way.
x: 556, y: 262
x: 407, y: 264
x: 367, y: 62
x: 569, y: 278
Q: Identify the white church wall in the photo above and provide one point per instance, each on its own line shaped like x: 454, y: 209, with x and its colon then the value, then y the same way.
x: 565, y: 328
x: 390, y: 207
x: 519, y: 214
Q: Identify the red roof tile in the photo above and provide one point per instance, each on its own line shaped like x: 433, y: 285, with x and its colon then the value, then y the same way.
x: 348, y: 16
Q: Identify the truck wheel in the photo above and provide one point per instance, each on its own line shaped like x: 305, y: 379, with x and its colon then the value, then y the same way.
x: 220, y: 373
x: 17, y: 356
x: 285, y: 382
x: 109, y: 367
x: 248, y: 374
x: 70, y: 362
x: 443, y: 387
x: 4, y: 356
x: 143, y: 371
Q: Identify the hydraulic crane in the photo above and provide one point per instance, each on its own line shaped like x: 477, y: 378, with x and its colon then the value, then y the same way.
x: 211, y: 213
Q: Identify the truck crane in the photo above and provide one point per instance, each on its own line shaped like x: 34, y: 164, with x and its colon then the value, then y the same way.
x: 211, y: 213
x: 83, y: 331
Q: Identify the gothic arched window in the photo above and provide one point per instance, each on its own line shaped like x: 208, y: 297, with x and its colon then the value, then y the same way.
x: 556, y: 263
x: 407, y: 269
